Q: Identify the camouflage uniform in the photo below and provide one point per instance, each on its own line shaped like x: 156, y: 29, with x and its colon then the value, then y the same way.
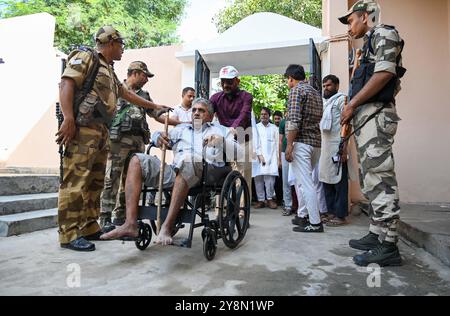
x: 85, y: 159
x: 375, y: 140
x: 124, y: 141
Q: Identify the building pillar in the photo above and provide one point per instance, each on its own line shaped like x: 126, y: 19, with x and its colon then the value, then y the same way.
x: 335, y: 61
x: 335, y: 57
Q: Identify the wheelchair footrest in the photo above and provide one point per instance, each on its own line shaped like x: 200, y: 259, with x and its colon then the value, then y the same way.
x: 151, y: 212
x: 184, y: 243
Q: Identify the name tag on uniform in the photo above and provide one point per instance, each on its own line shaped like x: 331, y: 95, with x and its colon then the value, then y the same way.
x: 76, y: 62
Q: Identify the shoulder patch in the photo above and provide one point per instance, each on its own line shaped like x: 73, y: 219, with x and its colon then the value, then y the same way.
x: 76, y: 62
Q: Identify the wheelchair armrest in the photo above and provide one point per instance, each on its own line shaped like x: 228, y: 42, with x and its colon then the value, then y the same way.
x: 153, y: 145
x: 149, y: 147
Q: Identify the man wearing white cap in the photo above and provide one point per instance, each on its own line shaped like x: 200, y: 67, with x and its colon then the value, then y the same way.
x: 233, y: 108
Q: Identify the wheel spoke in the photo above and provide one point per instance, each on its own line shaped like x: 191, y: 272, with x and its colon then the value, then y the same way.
x: 234, y: 198
x: 231, y: 205
x: 239, y: 227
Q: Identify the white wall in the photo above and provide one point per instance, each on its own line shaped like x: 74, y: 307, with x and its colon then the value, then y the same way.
x: 188, y: 74
x: 28, y: 78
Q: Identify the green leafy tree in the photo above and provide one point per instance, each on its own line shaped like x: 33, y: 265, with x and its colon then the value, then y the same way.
x: 145, y: 23
x: 270, y: 90
x: 306, y: 11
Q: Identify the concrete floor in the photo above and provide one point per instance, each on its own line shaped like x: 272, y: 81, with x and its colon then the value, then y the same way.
x: 271, y: 261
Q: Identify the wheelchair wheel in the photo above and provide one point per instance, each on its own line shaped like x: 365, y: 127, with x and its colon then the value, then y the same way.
x: 209, y: 244
x: 234, y: 210
x: 145, y: 236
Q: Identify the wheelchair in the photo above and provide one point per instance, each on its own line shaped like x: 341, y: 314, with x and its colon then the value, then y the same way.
x: 230, y: 225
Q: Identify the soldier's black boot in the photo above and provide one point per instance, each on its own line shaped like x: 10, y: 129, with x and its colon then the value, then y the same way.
x: 118, y: 221
x: 385, y: 254
x: 368, y: 242
x: 106, y: 225
x: 104, y: 220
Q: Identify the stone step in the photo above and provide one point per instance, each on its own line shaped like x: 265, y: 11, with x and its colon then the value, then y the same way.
x: 23, y: 170
x: 428, y: 226
x: 15, y: 204
x: 19, y: 184
x: 17, y: 224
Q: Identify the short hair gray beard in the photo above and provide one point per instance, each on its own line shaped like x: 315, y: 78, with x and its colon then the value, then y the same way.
x: 205, y: 102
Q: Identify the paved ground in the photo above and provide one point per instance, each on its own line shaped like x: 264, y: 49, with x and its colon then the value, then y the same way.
x: 272, y: 260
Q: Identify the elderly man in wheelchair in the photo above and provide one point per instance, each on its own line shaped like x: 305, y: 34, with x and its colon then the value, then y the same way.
x: 199, y: 166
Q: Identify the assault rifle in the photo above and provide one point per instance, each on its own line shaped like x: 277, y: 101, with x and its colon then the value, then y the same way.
x: 60, y: 118
x: 346, y: 132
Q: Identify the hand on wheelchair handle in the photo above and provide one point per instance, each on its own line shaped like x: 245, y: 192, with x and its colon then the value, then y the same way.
x: 163, y: 139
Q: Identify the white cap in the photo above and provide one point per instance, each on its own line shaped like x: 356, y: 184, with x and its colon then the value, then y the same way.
x: 228, y: 72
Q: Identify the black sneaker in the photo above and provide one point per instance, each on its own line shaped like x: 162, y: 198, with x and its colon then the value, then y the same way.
x: 79, y: 244
x: 368, y: 242
x: 108, y: 228
x: 385, y: 254
x: 309, y: 228
x: 118, y: 221
x: 300, y: 221
x: 94, y: 236
x: 104, y: 221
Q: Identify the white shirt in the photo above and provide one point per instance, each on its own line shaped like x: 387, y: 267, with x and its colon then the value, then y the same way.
x: 267, y: 145
x: 181, y: 114
x: 331, y: 138
x: 184, y: 139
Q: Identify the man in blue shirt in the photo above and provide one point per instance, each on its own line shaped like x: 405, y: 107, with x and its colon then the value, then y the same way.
x: 187, y: 142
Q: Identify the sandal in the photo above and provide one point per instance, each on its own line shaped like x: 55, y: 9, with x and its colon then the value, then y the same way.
x: 336, y: 222
x: 326, y: 217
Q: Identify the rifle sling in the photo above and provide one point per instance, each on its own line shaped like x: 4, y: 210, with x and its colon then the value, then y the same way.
x: 371, y: 117
x: 88, y: 84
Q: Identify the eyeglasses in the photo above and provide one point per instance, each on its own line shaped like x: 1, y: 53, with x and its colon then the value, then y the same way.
x: 200, y: 110
x: 227, y: 81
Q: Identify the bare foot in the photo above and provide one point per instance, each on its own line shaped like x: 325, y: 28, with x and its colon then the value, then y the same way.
x: 164, y: 238
x: 126, y: 230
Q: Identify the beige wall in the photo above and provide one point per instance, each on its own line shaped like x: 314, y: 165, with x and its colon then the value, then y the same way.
x: 338, y: 45
x: 422, y: 149
x: 38, y: 149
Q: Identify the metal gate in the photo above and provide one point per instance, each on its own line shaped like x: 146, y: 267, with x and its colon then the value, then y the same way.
x: 315, y: 78
x: 202, y: 77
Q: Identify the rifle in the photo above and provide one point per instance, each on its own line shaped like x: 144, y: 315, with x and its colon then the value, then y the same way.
x: 60, y: 118
x: 346, y: 130
x: 356, y: 62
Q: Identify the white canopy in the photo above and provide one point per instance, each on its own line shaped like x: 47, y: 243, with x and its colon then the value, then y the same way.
x: 263, y: 43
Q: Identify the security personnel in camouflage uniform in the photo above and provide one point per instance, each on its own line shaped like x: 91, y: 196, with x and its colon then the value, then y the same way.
x: 85, y: 133
x: 129, y: 134
x: 381, y: 53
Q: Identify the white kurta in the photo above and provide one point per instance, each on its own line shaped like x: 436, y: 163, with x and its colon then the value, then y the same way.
x: 330, y: 141
x: 267, y: 145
